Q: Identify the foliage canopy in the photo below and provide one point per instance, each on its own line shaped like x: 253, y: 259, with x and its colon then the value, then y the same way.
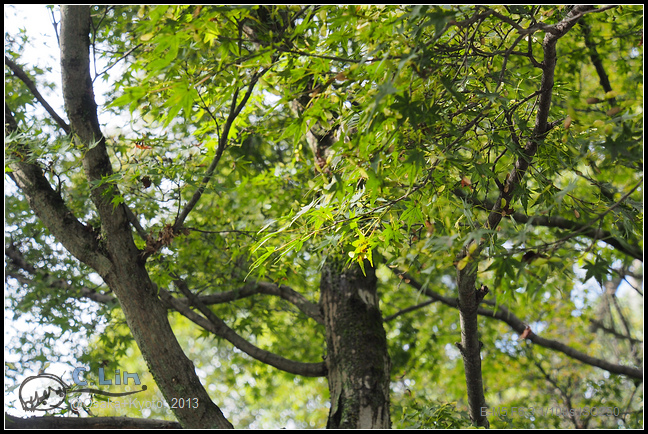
x: 444, y: 147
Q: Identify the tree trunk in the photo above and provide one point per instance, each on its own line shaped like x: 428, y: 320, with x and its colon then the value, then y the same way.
x: 469, y: 296
x: 357, y: 357
x: 125, y: 271
x: 470, y: 346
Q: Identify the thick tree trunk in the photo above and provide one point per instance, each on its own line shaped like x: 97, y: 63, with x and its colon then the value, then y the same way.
x: 357, y: 358
x: 120, y: 263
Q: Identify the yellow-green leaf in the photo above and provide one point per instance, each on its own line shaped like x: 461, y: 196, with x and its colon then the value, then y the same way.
x: 361, y: 263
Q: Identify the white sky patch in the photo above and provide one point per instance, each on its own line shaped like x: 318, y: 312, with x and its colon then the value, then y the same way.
x: 42, y: 51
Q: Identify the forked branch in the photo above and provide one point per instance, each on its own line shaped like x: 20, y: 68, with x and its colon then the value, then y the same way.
x: 211, y: 322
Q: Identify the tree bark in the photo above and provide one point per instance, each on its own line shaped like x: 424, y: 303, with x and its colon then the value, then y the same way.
x: 357, y: 358
x: 116, y: 259
x: 469, y: 297
x: 470, y: 346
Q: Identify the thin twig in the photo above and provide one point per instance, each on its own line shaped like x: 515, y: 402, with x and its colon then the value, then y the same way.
x: 501, y: 313
x: 116, y: 62
x: 408, y: 309
x: 235, y: 110
x: 22, y: 76
x: 55, y: 25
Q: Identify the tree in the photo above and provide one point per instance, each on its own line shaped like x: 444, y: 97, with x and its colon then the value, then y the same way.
x: 455, y: 167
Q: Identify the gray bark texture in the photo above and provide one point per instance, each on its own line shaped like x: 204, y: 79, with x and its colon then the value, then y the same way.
x: 357, y: 358
x: 113, y: 255
x: 469, y: 297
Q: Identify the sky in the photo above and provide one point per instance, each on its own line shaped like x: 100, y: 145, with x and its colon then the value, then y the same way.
x: 37, y: 20
x: 43, y: 52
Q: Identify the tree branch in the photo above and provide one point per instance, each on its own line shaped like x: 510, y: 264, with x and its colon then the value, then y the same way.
x: 18, y: 261
x: 217, y: 326
x: 49, y: 207
x: 310, y: 309
x: 590, y: 232
x: 596, y: 60
x: 542, y: 116
x: 145, y: 314
x: 18, y: 72
x: 81, y: 107
x: 334, y: 58
x: 467, y: 274
x: 584, y: 227
x: 560, y: 223
x: 222, y: 142
x: 409, y: 309
x: 132, y: 218
x: 501, y: 313
x: 598, y: 325
x: 108, y: 68
x: 563, y: 393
